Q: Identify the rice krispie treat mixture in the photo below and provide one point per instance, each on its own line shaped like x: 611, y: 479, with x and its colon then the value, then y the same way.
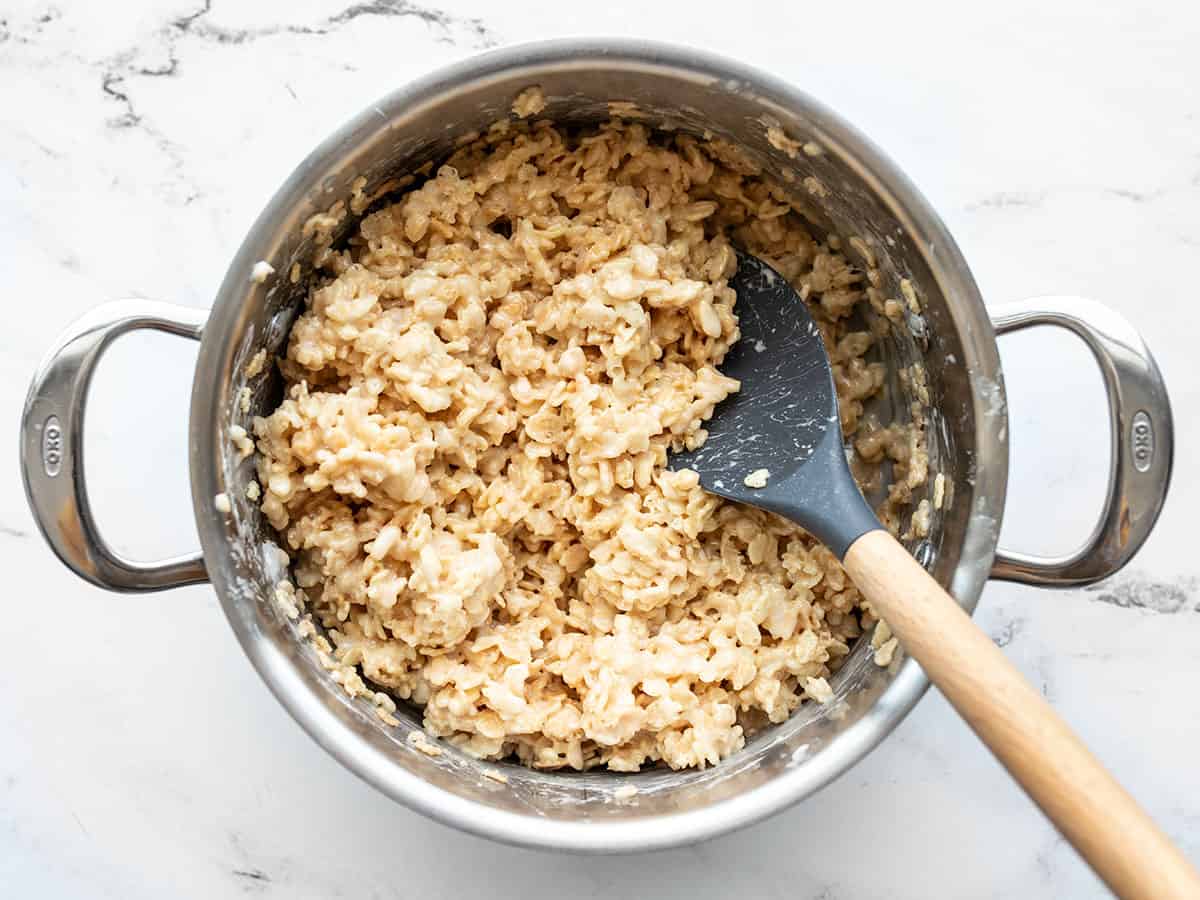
x: 469, y: 467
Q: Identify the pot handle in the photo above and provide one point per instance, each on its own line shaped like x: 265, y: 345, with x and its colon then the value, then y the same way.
x: 52, y: 447
x: 1142, y: 441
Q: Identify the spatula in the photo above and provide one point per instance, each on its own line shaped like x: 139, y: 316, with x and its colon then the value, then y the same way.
x: 777, y: 444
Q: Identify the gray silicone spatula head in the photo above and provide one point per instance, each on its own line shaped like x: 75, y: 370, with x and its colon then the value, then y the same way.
x: 784, y: 420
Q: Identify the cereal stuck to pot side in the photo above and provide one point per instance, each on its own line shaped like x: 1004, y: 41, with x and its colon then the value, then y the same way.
x: 469, y: 464
x: 529, y: 103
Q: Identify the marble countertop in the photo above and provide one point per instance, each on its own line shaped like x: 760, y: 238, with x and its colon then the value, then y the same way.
x: 140, y: 755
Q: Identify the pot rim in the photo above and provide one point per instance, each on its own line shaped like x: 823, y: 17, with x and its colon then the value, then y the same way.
x: 350, y: 746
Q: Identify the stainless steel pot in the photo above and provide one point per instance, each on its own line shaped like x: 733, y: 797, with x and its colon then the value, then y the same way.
x: 864, y: 195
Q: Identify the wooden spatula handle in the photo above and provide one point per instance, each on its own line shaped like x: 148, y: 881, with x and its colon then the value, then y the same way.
x: 1076, y: 792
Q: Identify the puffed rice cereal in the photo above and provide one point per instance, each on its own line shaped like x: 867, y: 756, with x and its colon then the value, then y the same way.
x: 469, y: 465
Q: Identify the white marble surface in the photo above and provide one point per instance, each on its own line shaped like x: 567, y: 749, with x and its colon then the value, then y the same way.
x: 140, y: 756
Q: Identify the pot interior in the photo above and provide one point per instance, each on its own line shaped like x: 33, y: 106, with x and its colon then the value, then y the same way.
x: 860, y: 196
